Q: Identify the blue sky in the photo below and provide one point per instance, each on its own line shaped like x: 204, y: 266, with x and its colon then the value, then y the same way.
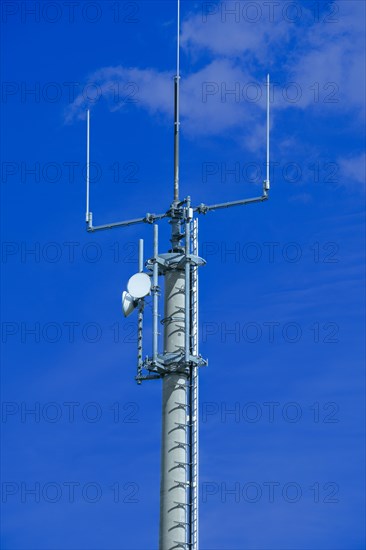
x: 282, y: 296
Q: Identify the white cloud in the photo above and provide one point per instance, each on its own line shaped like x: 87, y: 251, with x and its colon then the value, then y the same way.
x: 208, y: 105
x: 353, y: 170
x: 120, y: 86
x: 335, y: 53
x: 306, y: 53
x: 309, y: 51
x: 243, y: 30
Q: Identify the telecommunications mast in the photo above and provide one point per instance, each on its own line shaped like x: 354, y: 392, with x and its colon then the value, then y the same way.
x: 177, y: 363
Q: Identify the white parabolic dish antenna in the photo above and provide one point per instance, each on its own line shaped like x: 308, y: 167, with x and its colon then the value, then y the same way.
x: 139, y: 285
x: 128, y: 304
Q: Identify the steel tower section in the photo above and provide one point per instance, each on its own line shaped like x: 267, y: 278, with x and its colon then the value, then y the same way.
x: 178, y: 365
x: 178, y: 362
x: 174, y: 441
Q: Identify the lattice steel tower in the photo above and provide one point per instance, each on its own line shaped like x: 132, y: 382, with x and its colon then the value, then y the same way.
x: 178, y: 362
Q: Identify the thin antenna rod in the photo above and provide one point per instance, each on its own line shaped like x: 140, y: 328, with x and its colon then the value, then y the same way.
x: 267, y: 175
x: 155, y: 291
x: 141, y: 255
x: 178, y: 38
x: 87, y: 163
x: 176, y: 113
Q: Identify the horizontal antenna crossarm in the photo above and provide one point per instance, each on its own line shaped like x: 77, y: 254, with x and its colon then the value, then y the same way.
x: 203, y: 208
x: 149, y: 218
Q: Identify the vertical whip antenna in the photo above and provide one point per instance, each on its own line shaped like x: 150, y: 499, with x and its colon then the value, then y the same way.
x: 87, y: 216
x: 267, y: 181
x: 155, y: 292
x: 176, y: 113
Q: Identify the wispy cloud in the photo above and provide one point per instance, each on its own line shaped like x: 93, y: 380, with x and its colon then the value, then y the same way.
x: 120, y: 86
x: 353, y: 170
x: 335, y: 53
x: 229, y: 30
x: 323, y: 59
x: 203, y: 108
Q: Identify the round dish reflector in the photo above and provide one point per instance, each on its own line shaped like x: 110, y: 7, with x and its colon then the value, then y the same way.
x: 128, y: 304
x: 139, y: 285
